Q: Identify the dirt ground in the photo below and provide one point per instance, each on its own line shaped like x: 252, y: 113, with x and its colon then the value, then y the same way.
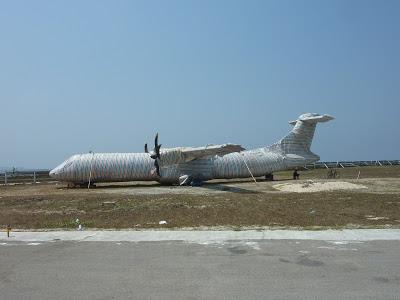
x: 373, y: 200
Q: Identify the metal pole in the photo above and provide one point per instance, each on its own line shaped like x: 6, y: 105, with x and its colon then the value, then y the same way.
x: 8, y: 230
x: 34, y: 176
x: 5, y: 178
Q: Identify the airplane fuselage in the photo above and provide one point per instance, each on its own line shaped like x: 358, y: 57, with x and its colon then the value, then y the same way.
x: 114, y: 167
x: 173, y: 165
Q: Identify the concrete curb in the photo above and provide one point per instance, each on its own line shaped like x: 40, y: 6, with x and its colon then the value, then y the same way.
x: 204, y: 236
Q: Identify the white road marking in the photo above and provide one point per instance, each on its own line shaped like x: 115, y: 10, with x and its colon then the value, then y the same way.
x: 304, y: 251
x: 345, y: 242
x: 253, y: 245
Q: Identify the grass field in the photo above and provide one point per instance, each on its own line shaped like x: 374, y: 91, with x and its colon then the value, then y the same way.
x: 236, y: 204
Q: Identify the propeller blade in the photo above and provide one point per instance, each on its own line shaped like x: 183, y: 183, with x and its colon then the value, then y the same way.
x: 158, y: 151
x: 156, y: 141
x: 157, y: 168
x: 156, y: 147
x: 146, y: 150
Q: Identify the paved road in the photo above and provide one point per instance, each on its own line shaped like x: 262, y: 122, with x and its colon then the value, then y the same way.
x: 256, y: 269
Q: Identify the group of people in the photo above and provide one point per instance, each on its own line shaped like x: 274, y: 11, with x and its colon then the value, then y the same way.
x: 270, y: 176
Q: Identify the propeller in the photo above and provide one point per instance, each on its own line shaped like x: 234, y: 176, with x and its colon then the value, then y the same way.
x: 155, y: 154
x: 156, y: 150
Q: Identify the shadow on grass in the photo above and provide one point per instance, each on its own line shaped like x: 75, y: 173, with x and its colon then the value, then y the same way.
x: 213, y: 185
x: 221, y: 187
x: 112, y: 186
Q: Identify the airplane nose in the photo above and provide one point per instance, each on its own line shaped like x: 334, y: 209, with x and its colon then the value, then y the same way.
x: 52, y: 173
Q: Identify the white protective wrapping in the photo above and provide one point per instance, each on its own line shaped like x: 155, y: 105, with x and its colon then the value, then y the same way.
x: 201, y: 163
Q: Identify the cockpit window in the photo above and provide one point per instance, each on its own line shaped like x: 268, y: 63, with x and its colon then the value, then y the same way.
x: 67, y: 163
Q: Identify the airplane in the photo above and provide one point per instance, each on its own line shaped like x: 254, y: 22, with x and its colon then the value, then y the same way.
x: 194, y: 165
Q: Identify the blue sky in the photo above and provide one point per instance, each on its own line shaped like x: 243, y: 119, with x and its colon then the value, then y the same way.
x: 106, y: 75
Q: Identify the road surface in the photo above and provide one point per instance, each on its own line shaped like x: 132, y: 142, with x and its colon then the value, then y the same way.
x: 202, y: 269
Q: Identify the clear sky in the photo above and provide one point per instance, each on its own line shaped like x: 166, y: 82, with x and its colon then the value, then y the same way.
x: 107, y: 75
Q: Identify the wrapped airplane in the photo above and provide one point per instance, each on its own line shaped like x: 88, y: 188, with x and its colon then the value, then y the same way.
x: 193, y: 165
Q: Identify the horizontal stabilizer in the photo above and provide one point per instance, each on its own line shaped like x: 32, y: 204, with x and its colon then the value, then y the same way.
x: 312, y: 118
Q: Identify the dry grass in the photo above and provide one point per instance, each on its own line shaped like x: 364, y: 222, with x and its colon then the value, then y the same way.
x: 48, y: 206
x: 346, y: 173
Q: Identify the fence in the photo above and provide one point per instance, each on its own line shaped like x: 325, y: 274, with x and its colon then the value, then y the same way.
x: 347, y: 164
x: 21, y: 177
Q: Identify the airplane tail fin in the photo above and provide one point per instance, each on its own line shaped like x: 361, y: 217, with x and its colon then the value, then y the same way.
x: 298, y: 141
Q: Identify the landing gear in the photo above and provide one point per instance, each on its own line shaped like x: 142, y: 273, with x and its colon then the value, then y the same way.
x: 189, y: 180
x: 72, y: 185
x: 269, y: 177
x: 80, y: 185
x: 185, y: 180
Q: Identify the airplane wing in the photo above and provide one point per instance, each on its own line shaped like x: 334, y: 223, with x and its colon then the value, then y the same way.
x: 191, y: 153
x: 185, y: 154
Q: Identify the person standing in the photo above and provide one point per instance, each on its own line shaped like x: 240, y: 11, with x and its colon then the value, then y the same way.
x: 296, y: 174
x: 8, y: 230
